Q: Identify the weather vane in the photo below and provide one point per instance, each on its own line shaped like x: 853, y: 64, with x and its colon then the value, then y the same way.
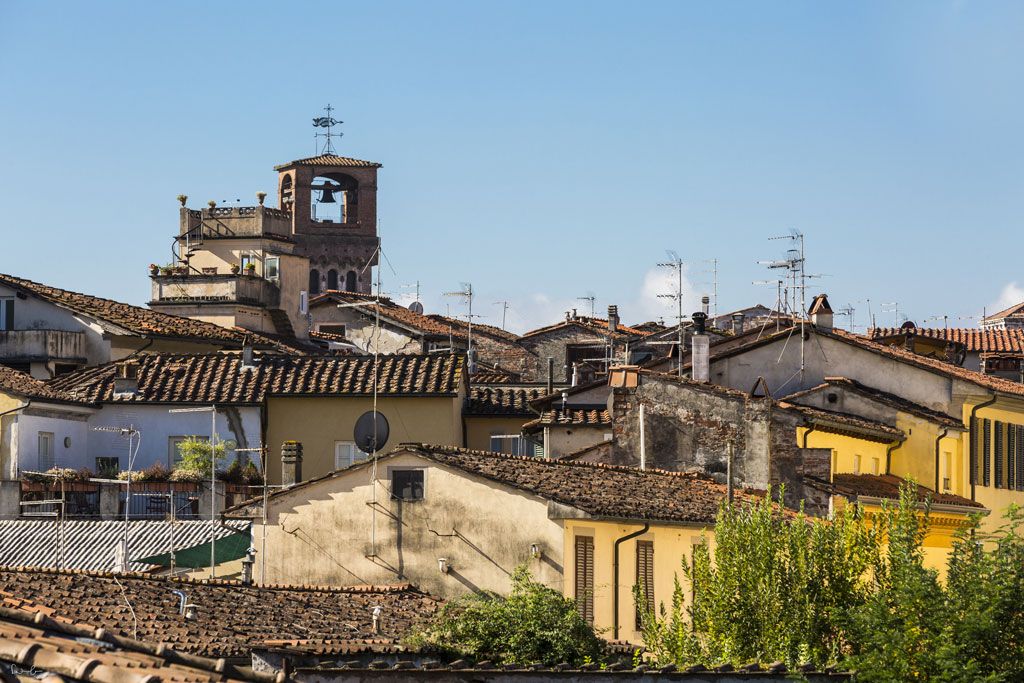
x: 327, y: 122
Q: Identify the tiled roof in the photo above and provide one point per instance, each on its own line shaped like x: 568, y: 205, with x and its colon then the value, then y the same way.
x: 36, y: 639
x: 973, y: 338
x: 592, y: 325
x: 231, y: 618
x: 892, y: 400
x: 571, y: 417
x: 502, y: 400
x: 22, y: 384
x: 91, y: 544
x: 329, y: 160
x: 1015, y: 311
x: 598, y: 490
x: 220, y: 378
x: 390, y: 311
x: 888, y: 486
x: 478, y: 328
x: 125, y: 318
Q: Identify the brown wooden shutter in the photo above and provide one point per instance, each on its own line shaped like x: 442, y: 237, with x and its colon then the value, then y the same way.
x: 1019, y: 451
x: 585, y: 577
x: 986, y: 452
x: 644, y: 579
x: 997, y: 457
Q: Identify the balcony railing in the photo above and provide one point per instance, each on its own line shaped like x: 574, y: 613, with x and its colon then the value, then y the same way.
x: 42, y: 345
x: 235, y: 221
x: 204, y: 288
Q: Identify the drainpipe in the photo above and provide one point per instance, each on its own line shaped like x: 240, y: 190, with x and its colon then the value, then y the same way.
x: 938, y: 439
x: 810, y: 429
x: 971, y: 438
x: 615, y: 577
x: 888, y: 454
x: 643, y: 443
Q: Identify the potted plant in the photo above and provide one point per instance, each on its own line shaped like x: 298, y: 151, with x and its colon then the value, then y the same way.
x: 183, y: 198
x: 153, y: 269
x: 181, y: 270
x: 212, y: 204
x: 260, y: 196
x: 166, y: 270
x: 235, y: 268
x: 250, y: 269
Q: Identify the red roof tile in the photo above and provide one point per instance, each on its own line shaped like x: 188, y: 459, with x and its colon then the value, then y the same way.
x: 974, y: 339
x: 329, y: 160
x: 572, y: 417
x: 22, y: 384
x: 888, y: 486
x: 502, y: 400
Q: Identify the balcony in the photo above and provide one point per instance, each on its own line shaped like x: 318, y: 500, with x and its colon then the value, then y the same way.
x: 28, y: 346
x: 195, y: 288
x: 235, y: 221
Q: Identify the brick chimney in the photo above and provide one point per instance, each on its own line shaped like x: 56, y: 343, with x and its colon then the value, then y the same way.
x: 821, y: 312
x: 291, y: 463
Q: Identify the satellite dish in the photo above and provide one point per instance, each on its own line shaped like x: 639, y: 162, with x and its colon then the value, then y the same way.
x: 416, y: 307
x: 371, y: 432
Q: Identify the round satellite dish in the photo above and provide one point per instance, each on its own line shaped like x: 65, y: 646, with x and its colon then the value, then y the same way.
x: 416, y: 307
x: 908, y: 325
x: 371, y: 432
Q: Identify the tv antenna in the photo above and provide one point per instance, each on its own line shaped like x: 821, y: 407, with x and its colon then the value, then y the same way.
x: 326, y: 122
x: 894, y: 308
x: 415, y: 286
x: 793, y: 264
x: 466, y: 294
x: 591, y: 298
x: 779, y: 303
x: 713, y: 271
x: 848, y: 310
x: 676, y: 263
x: 504, y: 309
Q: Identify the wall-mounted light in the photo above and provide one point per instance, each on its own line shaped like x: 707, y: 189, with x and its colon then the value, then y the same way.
x: 442, y: 565
x: 535, y: 551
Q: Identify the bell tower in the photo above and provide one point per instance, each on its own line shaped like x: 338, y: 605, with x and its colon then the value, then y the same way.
x: 332, y: 200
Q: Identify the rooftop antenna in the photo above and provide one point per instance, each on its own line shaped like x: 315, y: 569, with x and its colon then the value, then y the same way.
x: 676, y: 264
x: 504, y: 309
x: 591, y: 298
x: 894, y: 308
x: 778, y: 302
x: 466, y: 294
x: 794, y: 265
x: 326, y: 122
x: 714, y: 285
x: 129, y: 433
x: 848, y: 311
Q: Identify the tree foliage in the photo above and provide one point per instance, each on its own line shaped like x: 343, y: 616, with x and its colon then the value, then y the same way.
x: 533, y: 623
x: 196, y: 455
x: 844, y: 593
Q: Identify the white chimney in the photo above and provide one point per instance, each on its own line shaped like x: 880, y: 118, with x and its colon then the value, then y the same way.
x: 700, y: 350
x: 821, y: 312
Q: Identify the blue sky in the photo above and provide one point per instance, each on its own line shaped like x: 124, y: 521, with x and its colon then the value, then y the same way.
x: 540, y: 151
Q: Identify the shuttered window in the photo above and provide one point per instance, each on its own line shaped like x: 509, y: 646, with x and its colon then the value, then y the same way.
x: 986, y: 452
x: 998, y: 456
x: 585, y: 577
x: 1011, y: 456
x: 644, y: 579
x: 1019, y: 452
x: 974, y: 467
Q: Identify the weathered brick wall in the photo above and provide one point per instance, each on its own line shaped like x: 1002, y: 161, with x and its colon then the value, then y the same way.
x: 553, y: 344
x: 509, y: 356
x: 689, y: 428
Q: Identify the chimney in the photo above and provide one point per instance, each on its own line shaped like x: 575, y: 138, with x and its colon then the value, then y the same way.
x: 908, y: 338
x: 291, y: 463
x: 821, y: 312
x: 705, y: 303
x: 737, y: 323
x: 700, y: 349
x: 613, y: 318
x: 247, y: 563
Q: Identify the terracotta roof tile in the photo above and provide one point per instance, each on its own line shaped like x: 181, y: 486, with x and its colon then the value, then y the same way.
x: 1015, y: 311
x: 502, y: 400
x: 888, y: 486
x: 390, y: 311
x: 974, y: 339
x: 220, y: 377
x: 593, y: 325
x: 132, y: 319
x: 897, y: 402
x: 231, y: 618
x: 22, y: 384
x: 572, y: 417
x: 329, y: 160
x: 478, y: 328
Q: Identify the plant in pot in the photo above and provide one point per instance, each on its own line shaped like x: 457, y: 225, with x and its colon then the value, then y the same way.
x: 153, y: 269
x: 166, y: 270
x: 235, y: 268
x: 183, y: 198
x: 250, y: 269
x: 261, y: 197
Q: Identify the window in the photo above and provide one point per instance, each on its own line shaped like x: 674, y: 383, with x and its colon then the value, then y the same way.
x: 875, y: 464
x: 45, y: 451
x: 7, y: 313
x: 512, y: 444
x: 350, y: 281
x: 332, y: 329
x: 986, y: 451
x: 407, y: 484
x: 245, y: 260
x: 644, y: 579
x: 314, y: 282
x: 947, y: 481
x: 584, y: 588
x: 272, y: 268
x: 998, y: 456
x: 856, y: 464
x: 173, y: 450
x: 346, y: 454
x: 332, y: 279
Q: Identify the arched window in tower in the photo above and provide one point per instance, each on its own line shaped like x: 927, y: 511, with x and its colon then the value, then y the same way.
x: 334, y: 199
x: 350, y: 281
x: 287, y: 194
x: 314, y: 282
x: 332, y: 279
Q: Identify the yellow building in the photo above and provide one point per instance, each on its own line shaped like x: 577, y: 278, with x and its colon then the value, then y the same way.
x: 453, y: 520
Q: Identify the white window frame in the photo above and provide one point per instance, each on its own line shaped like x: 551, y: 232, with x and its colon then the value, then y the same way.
x: 517, y: 444
x: 44, y: 449
x: 272, y: 268
x: 6, y: 310
x: 346, y: 454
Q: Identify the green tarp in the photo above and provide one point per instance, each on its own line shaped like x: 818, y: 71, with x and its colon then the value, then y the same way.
x: 229, y: 548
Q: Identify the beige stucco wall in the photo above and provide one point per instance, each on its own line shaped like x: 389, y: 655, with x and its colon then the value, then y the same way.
x: 564, y: 440
x: 479, y: 429
x: 672, y: 546
x: 318, y: 422
x: 361, y: 331
x: 333, y: 533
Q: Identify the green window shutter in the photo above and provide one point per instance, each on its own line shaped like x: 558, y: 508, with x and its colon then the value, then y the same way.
x: 585, y: 577
x: 997, y: 457
x: 644, y: 579
x: 1019, y: 453
x: 1011, y: 456
x: 986, y: 452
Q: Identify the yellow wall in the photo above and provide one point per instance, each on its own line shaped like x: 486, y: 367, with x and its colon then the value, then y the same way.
x: 845, y: 450
x: 672, y: 545
x: 1006, y: 410
x: 317, y: 422
x: 479, y: 429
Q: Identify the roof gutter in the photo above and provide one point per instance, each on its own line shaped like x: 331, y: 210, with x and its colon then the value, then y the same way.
x: 973, y: 459
x: 615, y: 575
x: 938, y: 440
x: 888, y: 454
x: 935, y: 507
